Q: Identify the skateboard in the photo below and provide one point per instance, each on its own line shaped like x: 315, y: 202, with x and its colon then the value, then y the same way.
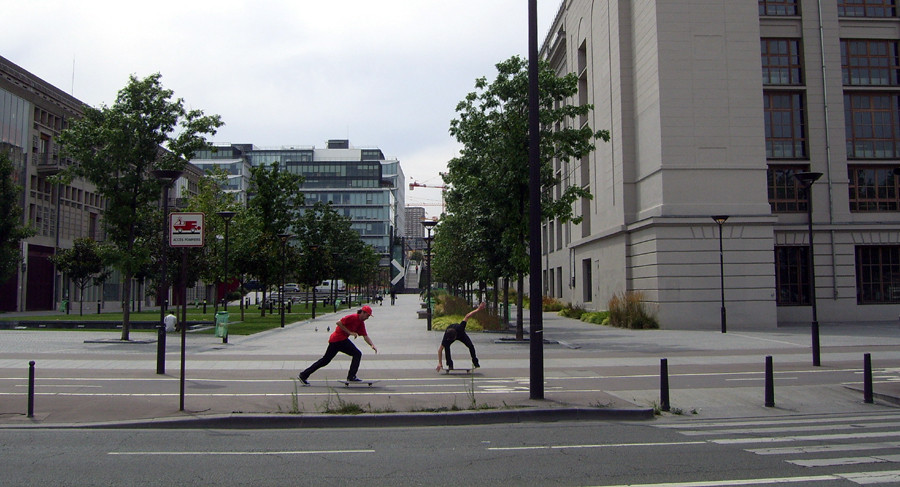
x: 367, y: 382
x: 457, y: 371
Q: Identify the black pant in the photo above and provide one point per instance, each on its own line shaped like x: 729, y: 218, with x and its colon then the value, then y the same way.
x: 343, y: 346
x: 467, y: 342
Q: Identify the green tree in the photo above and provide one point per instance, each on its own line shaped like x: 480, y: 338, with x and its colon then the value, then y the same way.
x: 211, y: 199
x: 276, y: 202
x: 11, y: 229
x: 116, y: 147
x: 489, y: 179
x: 81, y: 263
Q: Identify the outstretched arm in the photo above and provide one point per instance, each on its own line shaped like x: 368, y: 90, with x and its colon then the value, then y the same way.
x: 369, y: 341
x: 440, y: 358
x: 472, y: 313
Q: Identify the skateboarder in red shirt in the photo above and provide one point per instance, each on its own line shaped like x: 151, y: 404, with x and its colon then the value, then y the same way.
x: 457, y: 331
x: 339, y: 341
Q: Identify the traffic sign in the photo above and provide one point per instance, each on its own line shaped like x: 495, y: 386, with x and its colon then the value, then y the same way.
x: 186, y: 229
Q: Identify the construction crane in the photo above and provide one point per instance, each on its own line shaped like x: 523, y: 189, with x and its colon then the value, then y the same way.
x: 416, y: 184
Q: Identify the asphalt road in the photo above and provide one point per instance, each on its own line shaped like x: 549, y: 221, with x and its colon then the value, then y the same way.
x: 839, y: 450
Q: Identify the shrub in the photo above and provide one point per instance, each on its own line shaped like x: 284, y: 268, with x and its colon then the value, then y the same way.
x: 572, y: 311
x: 552, y: 304
x: 442, y: 322
x: 595, y: 317
x: 630, y: 311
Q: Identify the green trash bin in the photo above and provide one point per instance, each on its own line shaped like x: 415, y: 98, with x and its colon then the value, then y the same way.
x: 63, y: 305
x: 222, y: 324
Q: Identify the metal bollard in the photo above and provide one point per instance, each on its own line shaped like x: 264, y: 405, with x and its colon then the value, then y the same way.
x: 868, y: 396
x: 161, y: 350
x: 31, y: 389
x: 770, y: 383
x: 98, y: 306
x: 664, y: 385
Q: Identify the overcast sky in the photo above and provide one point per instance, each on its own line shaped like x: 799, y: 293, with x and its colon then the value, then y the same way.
x: 382, y: 73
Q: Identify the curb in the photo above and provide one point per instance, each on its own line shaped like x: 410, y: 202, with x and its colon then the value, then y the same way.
x: 365, y: 420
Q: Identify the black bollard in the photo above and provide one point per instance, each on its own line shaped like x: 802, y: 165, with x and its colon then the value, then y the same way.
x: 868, y: 397
x: 31, y: 389
x: 161, y: 350
x: 204, y: 306
x: 664, y: 384
x: 98, y: 306
x: 770, y: 383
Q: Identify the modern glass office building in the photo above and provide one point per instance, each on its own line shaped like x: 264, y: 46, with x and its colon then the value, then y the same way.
x: 360, y: 183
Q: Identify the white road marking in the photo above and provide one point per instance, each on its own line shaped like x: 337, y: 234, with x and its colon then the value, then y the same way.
x: 861, y: 478
x: 782, y: 429
x: 726, y: 483
x: 836, y: 462
x: 201, y: 453
x: 787, y: 439
x: 780, y: 420
x: 796, y: 450
x: 611, y: 445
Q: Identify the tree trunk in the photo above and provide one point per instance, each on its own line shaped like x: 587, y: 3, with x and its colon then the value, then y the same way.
x: 126, y: 309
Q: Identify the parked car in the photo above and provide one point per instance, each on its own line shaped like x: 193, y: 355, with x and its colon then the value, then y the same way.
x: 292, y: 287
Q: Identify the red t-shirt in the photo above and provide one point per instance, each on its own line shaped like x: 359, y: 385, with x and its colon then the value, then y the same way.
x: 353, y: 323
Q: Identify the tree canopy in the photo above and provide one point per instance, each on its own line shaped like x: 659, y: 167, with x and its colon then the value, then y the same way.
x: 12, y: 231
x: 488, y: 195
x: 117, y: 147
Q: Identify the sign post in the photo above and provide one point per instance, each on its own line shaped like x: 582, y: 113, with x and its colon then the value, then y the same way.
x: 185, y: 230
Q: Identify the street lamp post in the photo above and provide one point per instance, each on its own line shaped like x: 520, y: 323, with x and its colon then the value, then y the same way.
x: 429, y: 225
x: 166, y: 177
x: 720, y: 220
x: 312, y: 250
x: 284, y: 238
x: 806, y: 180
x: 227, y: 216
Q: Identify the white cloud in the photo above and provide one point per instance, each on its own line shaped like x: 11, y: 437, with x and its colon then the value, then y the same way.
x: 281, y: 72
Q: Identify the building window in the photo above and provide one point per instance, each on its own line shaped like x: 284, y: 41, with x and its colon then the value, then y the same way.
x: 792, y: 275
x: 785, y: 195
x: 781, y: 64
x: 872, y: 188
x: 785, y: 125
x: 778, y: 7
x: 867, y: 8
x: 877, y: 274
x: 869, y: 63
x: 873, y: 125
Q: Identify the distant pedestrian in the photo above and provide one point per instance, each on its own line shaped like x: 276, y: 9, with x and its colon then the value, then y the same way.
x: 339, y: 341
x: 457, y: 331
x: 393, y: 296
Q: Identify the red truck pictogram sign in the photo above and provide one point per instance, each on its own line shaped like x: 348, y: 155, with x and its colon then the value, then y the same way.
x: 186, y: 229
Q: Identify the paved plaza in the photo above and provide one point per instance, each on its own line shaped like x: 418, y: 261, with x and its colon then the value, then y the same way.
x: 590, y: 371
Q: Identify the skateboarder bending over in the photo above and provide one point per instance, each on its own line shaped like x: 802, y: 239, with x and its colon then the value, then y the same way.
x: 457, y: 331
x: 339, y: 341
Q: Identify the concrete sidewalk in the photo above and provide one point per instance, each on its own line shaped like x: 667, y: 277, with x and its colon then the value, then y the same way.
x: 590, y: 372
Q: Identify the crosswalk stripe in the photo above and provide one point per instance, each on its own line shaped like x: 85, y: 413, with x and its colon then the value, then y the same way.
x: 794, y: 450
x: 870, y: 478
x: 836, y: 462
x: 786, y: 439
x: 780, y: 420
x: 784, y: 429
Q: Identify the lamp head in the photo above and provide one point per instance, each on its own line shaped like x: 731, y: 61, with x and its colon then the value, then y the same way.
x: 720, y: 219
x: 806, y: 179
x: 166, y: 176
x: 227, y: 215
